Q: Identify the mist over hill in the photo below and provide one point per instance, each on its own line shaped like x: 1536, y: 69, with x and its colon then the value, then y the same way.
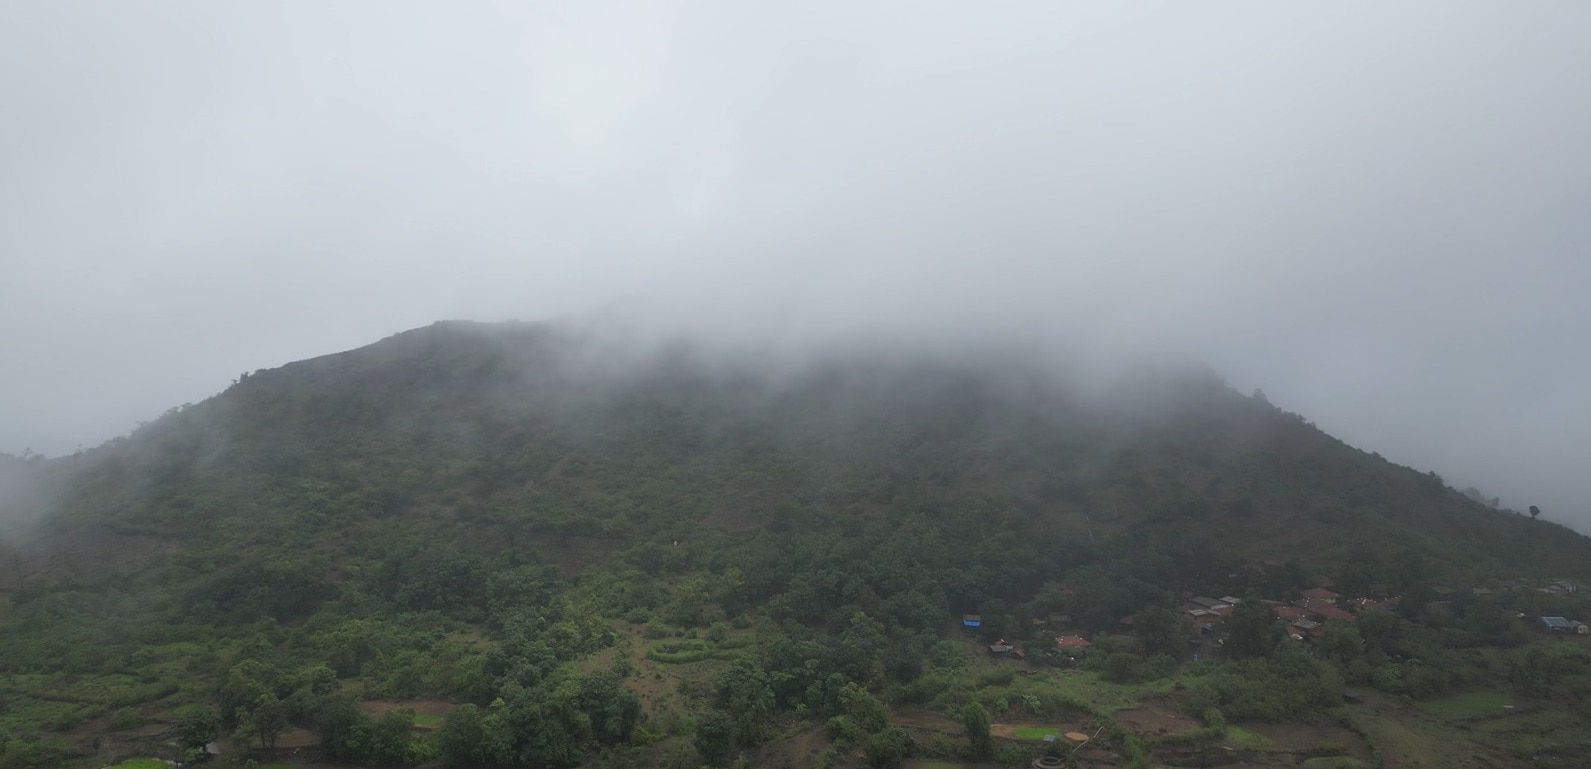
x: 460, y: 420
x: 483, y: 516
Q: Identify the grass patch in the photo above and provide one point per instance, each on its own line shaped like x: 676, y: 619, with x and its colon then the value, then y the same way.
x: 1538, y: 722
x: 426, y: 719
x: 141, y: 763
x: 1036, y: 732
x: 1333, y: 762
x: 1468, y: 704
x: 682, y: 650
x: 1244, y: 738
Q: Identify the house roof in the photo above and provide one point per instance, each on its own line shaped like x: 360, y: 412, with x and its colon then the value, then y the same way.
x: 1557, y: 623
x: 1321, y: 593
x: 1332, y: 612
x: 1071, y: 642
x: 1324, y: 609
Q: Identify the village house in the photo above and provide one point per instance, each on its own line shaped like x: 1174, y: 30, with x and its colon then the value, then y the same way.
x: 1564, y: 625
x: 1322, y: 610
x: 1071, y: 643
x: 1290, y: 613
x: 1321, y: 594
x: 971, y: 622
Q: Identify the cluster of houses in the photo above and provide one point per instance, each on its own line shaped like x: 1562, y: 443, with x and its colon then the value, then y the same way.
x: 1205, y: 610
x: 1067, y: 644
x: 1305, y: 617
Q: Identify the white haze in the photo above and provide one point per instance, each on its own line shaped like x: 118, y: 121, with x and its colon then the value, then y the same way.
x: 1375, y: 212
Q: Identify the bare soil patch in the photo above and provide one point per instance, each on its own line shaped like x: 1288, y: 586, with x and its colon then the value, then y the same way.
x: 1299, y: 737
x: 1157, y: 721
x: 420, y: 707
x: 926, y: 719
x: 798, y: 751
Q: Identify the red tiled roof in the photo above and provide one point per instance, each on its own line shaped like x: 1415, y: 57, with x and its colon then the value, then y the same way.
x: 1332, y: 612
x: 1323, y: 609
x: 1071, y: 642
x: 1290, y: 612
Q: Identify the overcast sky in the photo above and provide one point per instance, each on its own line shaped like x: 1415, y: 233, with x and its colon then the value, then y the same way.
x: 1379, y: 213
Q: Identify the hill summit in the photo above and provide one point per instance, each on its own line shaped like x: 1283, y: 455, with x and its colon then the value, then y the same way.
x: 483, y: 431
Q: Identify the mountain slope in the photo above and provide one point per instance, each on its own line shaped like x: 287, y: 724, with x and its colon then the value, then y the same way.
x: 374, y: 511
x: 464, y: 427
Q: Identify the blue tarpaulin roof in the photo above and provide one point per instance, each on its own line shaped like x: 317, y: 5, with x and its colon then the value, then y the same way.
x: 1557, y: 623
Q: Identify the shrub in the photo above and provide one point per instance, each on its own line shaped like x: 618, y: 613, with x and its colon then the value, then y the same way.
x: 126, y: 718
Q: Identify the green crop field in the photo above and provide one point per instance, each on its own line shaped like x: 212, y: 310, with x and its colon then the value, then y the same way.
x: 1036, y: 732
x: 1469, y: 704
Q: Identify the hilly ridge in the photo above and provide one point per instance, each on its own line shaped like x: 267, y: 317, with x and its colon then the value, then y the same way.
x: 425, y: 514
x: 460, y: 421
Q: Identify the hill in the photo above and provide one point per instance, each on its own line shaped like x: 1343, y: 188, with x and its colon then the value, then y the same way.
x: 524, y: 515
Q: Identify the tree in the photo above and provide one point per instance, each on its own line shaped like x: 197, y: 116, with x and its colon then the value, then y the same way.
x: 462, y: 736
x: 391, y: 738
x: 344, y: 728
x: 1534, y: 511
x: 863, y: 708
x: 888, y: 748
x: 1255, y: 631
x: 975, y: 721
x: 1340, y: 643
x: 1533, y: 672
x: 196, y: 726
x: 264, y: 719
x: 715, y: 737
x: 744, y: 693
x: 1160, y: 631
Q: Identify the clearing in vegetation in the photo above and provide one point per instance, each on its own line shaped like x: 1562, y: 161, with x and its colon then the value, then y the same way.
x: 1036, y: 732
x: 1469, y: 704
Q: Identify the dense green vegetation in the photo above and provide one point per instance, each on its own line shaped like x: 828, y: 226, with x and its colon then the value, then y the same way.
x: 669, y: 561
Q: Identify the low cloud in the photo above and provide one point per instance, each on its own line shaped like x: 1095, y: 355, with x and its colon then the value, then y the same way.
x: 1376, y: 214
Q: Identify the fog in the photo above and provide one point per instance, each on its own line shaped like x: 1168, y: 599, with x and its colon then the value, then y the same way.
x: 1375, y: 214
